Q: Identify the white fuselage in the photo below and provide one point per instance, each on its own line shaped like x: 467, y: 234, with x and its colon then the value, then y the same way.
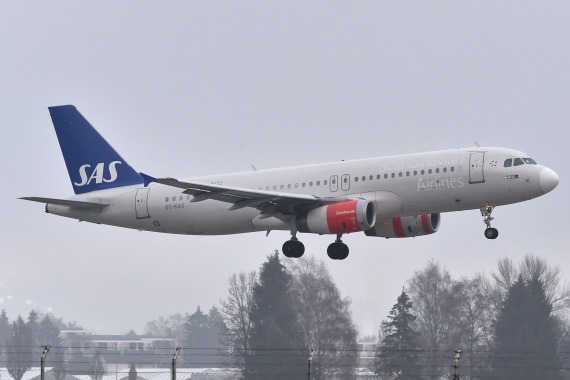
x: 432, y: 182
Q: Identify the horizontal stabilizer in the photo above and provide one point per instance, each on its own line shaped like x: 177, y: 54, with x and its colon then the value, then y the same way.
x: 65, y: 202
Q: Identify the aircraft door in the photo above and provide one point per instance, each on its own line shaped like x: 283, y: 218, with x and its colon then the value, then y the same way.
x: 476, y: 160
x: 141, y: 203
x: 333, y: 183
x: 345, y: 182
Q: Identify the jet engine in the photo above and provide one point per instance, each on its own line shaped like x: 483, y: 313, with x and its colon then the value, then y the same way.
x: 338, y: 218
x: 406, y: 226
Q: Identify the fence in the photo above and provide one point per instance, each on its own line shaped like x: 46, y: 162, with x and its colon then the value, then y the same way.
x: 89, y: 363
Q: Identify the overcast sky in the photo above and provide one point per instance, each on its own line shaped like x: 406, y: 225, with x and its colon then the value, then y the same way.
x: 185, y: 88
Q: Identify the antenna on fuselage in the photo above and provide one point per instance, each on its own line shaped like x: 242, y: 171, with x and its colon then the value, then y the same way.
x: 477, y: 144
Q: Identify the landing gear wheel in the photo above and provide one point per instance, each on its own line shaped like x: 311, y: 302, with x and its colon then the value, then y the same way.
x: 491, y: 233
x: 293, y: 248
x: 338, y: 251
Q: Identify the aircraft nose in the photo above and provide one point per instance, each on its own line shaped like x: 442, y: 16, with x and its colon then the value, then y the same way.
x: 548, y: 180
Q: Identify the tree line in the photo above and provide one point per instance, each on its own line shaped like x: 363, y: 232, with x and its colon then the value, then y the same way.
x: 268, y: 324
x: 511, y: 324
x: 20, y: 340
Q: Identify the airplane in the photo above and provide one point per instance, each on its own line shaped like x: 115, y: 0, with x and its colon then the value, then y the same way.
x: 391, y: 197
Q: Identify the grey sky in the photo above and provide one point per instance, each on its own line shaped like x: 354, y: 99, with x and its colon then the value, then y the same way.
x: 193, y: 88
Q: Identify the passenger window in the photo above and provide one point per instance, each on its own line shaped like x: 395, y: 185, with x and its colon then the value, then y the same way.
x: 407, y: 174
x: 363, y: 178
x: 429, y: 171
x: 289, y: 186
x: 274, y: 187
x: 445, y: 170
x: 518, y: 162
x: 166, y: 199
x: 508, y: 162
x: 453, y: 168
x: 393, y: 175
x: 378, y: 176
x: 371, y: 177
x: 423, y: 172
x: 310, y: 184
x: 325, y: 182
x: 385, y: 176
x: 318, y: 183
x: 303, y: 184
x: 415, y: 172
x: 400, y: 174
x: 437, y: 170
x: 355, y: 179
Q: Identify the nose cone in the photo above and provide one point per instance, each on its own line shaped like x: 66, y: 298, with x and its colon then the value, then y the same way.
x: 548, y: 180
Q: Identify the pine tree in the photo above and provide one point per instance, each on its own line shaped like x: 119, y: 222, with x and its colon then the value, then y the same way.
x: 396, y: 357
x: 48, y: 333
x: 132, y: 372
x: 19, y: 357
x: 34, y: 326
x: 5, y: 333
x: 275, y: 333
x: 5, y: 329
x: 59, y: 368
x: 525, y: 334
x: 202, y: 338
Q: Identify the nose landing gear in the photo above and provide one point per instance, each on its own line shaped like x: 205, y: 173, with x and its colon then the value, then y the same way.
x: 490, y: 232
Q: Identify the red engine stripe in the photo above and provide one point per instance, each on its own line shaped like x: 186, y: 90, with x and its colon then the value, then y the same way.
x: 398, y: 228
x: 342, y: 218
x: 425, y: 224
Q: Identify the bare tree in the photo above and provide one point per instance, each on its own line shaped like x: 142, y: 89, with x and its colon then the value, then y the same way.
x: 474, y: 311
x: 235, y: 311
x: 171, y: 326
x: 325, y: 318
x: 531, y: 268
x: 436, y: 297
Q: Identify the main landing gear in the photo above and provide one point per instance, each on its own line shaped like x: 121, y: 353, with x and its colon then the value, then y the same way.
x: 490, y: 233
x: 338, y: 250
x: 294, y: 248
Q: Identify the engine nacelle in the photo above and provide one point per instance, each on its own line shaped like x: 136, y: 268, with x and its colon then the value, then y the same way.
x: 406, y: 226
x: 338, y: 218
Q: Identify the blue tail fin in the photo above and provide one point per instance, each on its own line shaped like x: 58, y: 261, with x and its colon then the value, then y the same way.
x: 91, y: 162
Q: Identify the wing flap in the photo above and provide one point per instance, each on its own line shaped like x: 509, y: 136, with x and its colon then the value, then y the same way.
x: 270, y: 203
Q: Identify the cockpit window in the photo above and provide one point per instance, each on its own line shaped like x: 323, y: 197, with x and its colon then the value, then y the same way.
x: 529, y: 161
x: 518, y: 162
x: 508, y: 162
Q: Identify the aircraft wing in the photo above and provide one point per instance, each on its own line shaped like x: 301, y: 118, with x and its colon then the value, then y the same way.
x: 270, y: 203
x: 66, y: 202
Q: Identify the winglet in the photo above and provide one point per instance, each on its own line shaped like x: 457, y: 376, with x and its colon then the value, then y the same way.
x: 147, y: 179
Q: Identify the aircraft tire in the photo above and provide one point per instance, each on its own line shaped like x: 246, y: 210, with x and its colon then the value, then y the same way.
x: 338, y: 251
x: 293, y: 249
x: 491, y: 233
